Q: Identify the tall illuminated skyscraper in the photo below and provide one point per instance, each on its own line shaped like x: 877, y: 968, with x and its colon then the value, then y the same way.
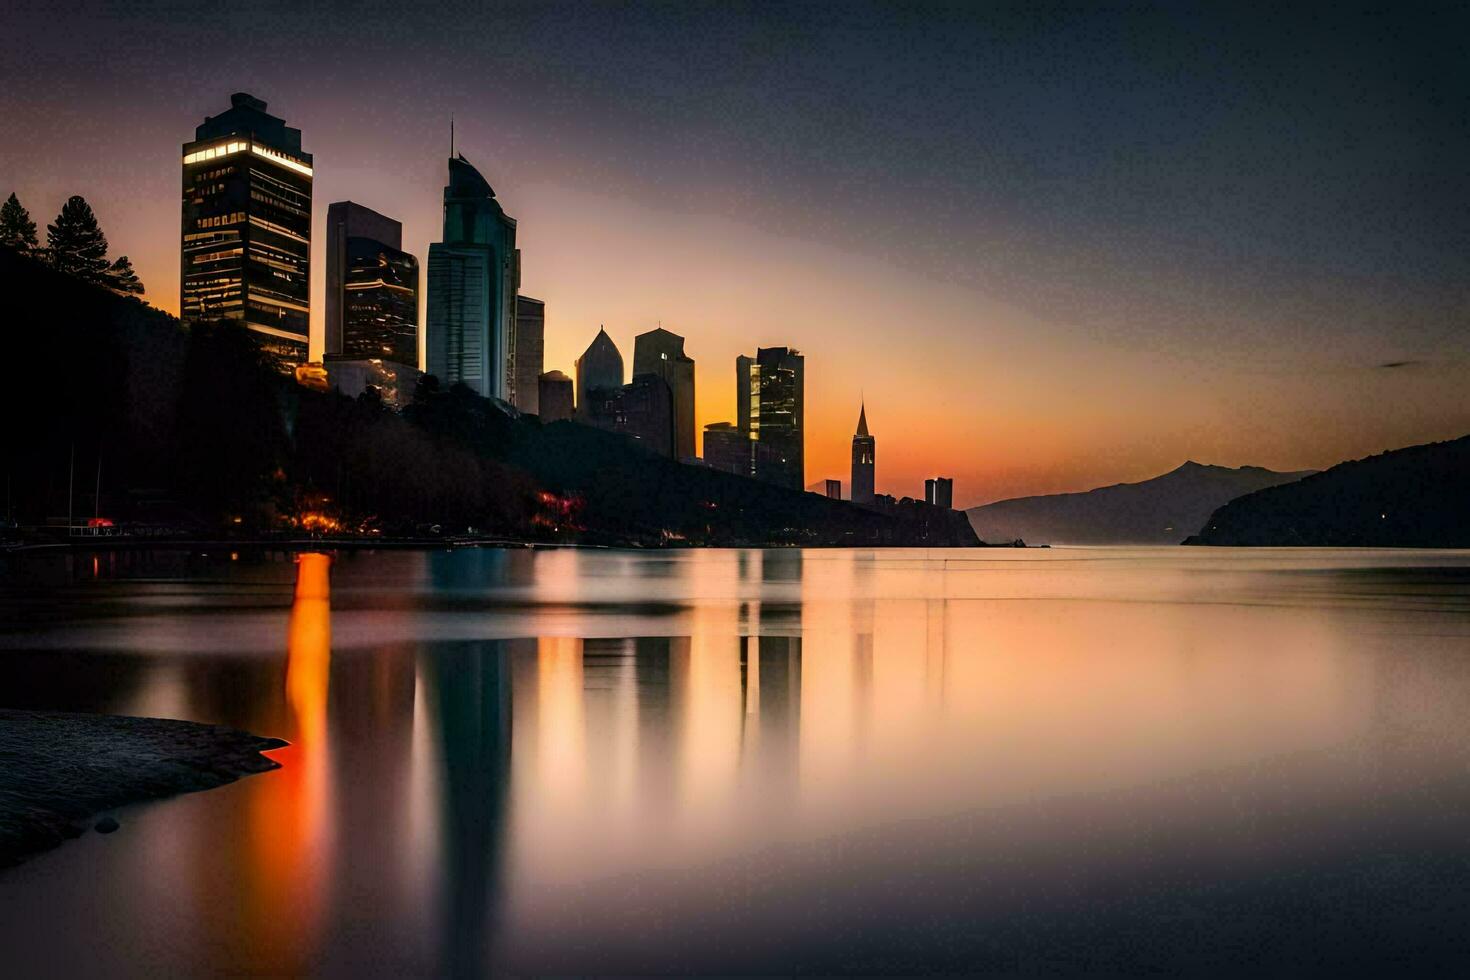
x: 770, y: 409
x: 473, y: 277
x: 372, y: 288
x: 864, y: 459
x: 246, y: 236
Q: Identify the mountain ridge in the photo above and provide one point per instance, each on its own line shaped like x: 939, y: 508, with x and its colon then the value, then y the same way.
x: 1414, y: 497
x: 1161, y: 510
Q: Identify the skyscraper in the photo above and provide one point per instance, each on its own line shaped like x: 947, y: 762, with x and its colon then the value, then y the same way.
x: 864, y: 458
x: 834, y: 489
x: 246, y: 236
x: 770, y: 409
x: 527, y: 352
x: 372, y: 288
x: 555, y: 396
x: 473, y: 277
x: 599, y: 367
x: 661, y: 353
x: 939, y: 491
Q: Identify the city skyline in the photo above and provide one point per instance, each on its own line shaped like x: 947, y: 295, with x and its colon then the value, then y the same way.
x: 1234, y: 310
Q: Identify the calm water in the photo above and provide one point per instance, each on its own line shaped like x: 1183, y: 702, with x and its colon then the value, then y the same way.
x: 745, y: 761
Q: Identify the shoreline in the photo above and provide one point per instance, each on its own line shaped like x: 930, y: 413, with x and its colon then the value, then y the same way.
x: 60, y: 771
x: 121, y: 543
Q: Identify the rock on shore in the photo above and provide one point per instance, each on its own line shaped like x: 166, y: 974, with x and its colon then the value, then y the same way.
x: 58, y: 770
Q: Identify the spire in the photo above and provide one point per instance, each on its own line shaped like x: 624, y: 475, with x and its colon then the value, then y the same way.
x: 863, y: 420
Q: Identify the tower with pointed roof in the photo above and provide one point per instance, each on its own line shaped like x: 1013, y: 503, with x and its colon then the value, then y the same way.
x: 599, y: 368
x: 864, y: 457
x: 474, y: 274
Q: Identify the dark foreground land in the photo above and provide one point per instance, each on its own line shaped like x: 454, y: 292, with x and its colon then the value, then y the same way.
x: 58, y: 771
x: 1417, y: 497
x: 186, y: 432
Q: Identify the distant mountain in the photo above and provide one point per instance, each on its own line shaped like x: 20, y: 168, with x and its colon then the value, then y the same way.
x: 1164, y: 510
x: 1417, y: 497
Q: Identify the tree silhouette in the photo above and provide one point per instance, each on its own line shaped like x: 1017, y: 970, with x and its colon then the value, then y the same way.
x: 17, y: 230
x: 76, y: 243
x: 122, y: 278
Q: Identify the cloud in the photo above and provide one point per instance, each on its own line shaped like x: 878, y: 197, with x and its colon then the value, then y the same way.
x: 1398, y: 364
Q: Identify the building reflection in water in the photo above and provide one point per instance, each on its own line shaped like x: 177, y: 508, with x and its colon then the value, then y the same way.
x: 846, y: 734
x: 290, y: 855
x: 469, y: 695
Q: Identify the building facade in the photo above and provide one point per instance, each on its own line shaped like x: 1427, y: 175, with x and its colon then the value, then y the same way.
x: 474, y: 275
x: 555, y: 399
x: 528, y: 348
x: 727, y: 448
x: 864, y: 460
x: 599, y: 368
x: 392, y: 382
x: 661, y: 353
x: 372, y: 298
x: 642, y: 409
x: 770, y: 409
x: 939, y: 491
x: 246, y: 233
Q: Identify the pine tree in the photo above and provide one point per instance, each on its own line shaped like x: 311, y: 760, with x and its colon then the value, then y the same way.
x: 17, y: 230
x: 76, y: 243
x: 122, y: 278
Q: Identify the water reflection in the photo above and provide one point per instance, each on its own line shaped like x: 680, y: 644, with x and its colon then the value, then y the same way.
x: 746, y: 761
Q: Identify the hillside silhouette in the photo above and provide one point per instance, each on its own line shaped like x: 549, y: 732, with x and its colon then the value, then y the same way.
x: 1163, y: 510
x: 196, y: 435
x: 1418, y: 497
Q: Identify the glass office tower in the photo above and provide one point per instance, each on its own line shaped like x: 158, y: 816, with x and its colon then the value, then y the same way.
x: 474, y: 274
x: 770, y: 409
x: 372, y: 288
x: 246, y: 236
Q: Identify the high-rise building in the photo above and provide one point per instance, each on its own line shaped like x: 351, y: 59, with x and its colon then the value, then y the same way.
x: 527, y: 352
x: 555, y: 396
x: 939, y: 491
x: 770, y: 409
x: 661, y: 353
x: 246, y: 236
x: 727, y: 448
x: 834, y: 489
x: 599, y: 367
x: 864, y: 458
x: 372, y: 288
x: 642, y: 409
x: 474, y: 274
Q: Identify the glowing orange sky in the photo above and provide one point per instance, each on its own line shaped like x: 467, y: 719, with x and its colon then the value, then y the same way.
x: 955, y: 384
